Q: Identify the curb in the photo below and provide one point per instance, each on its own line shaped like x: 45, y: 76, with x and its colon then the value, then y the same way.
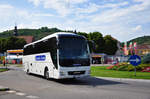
x: 124, y: 79
x: 2, y: 88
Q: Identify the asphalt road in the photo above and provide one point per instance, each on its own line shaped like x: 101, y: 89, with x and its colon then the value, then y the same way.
x: 35, y: 87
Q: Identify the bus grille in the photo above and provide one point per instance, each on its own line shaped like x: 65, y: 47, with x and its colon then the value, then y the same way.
x: 76, y: 72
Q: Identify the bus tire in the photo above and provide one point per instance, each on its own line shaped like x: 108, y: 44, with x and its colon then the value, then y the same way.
x: 28, y: 72
x: 46, y: 74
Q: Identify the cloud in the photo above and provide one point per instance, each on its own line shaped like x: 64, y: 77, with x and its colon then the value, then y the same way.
x: 117, y: 13
x: 62, y: 7
x: 5, y: 6
x: 35, y: 2
x: 66, y: 7
x: 137, y: 28
x: 43, y: 15
x: 90, y: 9
x: 123, y: 20
x: 9, y: 15
x: 114, y: 5
x: 110, y: 18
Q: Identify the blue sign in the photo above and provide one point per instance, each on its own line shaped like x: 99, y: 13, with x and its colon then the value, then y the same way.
x: 135, y: 60
x: 40, y: 58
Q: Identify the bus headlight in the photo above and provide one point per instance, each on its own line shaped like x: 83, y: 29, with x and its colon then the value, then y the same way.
x: 62, y: 73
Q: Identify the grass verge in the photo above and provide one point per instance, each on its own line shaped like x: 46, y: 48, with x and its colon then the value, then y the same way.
x: 3, y: 69
x: 101, y: 71
x: 17, y: 65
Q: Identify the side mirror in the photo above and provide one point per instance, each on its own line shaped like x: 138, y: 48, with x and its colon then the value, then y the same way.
x: 58, y: 46
x: 92, y: 45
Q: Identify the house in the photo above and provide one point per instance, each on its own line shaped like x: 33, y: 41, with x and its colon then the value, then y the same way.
x: 28, y: 39
x: 143, y: 49
x: 98, y: 58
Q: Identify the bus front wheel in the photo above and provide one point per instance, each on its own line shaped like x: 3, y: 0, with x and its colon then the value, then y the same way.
x: 28, y: 72
x: 46, y: 74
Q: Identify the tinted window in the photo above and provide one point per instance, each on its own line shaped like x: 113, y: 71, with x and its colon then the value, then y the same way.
x: 73, y: 51
x: 41, y: 47
x: 49, y: 45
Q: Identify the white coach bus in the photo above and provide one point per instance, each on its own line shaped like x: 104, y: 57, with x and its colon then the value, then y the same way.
x: 60, y: 55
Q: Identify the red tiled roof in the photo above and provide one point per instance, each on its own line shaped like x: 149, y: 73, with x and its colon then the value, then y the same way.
x: 28, y: 39
x: 143, y: 46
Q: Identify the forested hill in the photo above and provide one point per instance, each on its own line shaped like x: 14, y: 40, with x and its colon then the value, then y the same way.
x: 97, y: 42
x: 44, y: 31
x: 141, y: 40
x: 37, y: 33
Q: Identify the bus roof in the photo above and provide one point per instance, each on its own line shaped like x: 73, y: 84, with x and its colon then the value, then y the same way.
x: 52, y: 35
x: 57, y: 34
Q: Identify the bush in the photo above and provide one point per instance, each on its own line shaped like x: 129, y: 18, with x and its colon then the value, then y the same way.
x: 128, y: 67
x: 142, y: 66
x: 122, y: 68
x: 114, y: 67
x: 131, y: 68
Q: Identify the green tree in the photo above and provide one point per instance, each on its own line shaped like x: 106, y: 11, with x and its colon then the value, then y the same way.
x: 110, y: 45
x: 83, y: 34
x: 3, y: 45
x: 20, y: 43
x: 44, y: 29
x: 11, y: 43
x: 98, y: 40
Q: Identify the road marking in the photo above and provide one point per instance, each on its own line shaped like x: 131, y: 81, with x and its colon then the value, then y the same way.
x: 11, y: 91
x: 32, y: 97
x: 20, y: 94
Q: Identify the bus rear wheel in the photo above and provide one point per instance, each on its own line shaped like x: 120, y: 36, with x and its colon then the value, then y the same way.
x: 46, y: 74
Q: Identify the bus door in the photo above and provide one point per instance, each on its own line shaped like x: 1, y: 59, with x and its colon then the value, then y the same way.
x: 26, y: 66
x: 55, y: 71
x: 51, y: 71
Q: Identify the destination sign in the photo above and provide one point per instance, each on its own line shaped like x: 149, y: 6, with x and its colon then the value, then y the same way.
x: 40, y: 58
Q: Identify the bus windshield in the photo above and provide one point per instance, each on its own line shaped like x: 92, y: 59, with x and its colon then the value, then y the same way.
x: 73, y: 51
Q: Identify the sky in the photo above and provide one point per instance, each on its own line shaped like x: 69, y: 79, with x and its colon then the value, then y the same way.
x: 122, y: 19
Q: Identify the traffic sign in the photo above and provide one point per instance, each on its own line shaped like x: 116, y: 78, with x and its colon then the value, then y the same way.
x: 135, y: 60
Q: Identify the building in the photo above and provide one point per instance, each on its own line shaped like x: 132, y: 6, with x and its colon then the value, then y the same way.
x: 140, y: 50
x: 14, y: 56
x: 98, y: 58
x: 28, y: 39
x: 119, y: 51
x: 15, y: 31
x: 143, y: 49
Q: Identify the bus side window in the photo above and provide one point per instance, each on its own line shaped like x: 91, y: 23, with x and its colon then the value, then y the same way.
x: 44, y: 46
x: 28, y: 50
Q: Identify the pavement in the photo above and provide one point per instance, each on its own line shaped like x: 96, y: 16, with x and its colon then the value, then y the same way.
x: 24, y: 86
x: 124, y: 79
